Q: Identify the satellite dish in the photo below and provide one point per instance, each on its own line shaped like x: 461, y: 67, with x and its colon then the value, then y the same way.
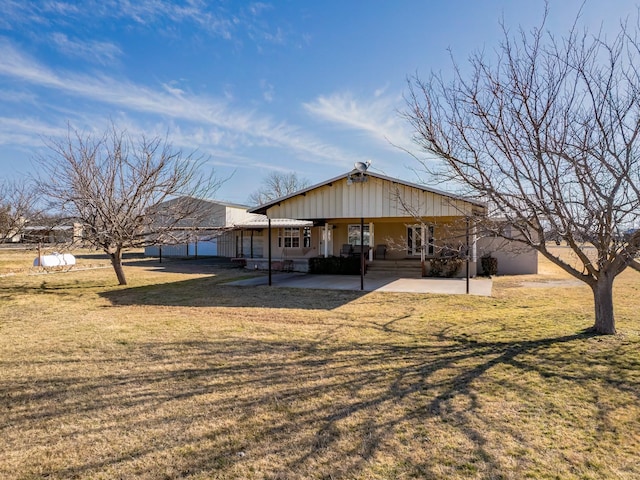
x: 362, y: 166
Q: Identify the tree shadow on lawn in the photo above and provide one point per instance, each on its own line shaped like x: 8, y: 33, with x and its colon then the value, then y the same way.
x: 247, y: 408
x: 210, y: 292
x: 205, y: 265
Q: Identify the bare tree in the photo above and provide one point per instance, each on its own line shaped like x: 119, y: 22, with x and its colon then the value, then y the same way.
x: 127, y: 193
x: 277, y: 185
x: 548, y: 134
x: 17, y: 207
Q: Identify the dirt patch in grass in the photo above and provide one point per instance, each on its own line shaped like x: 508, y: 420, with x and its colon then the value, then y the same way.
x: 180, y: 376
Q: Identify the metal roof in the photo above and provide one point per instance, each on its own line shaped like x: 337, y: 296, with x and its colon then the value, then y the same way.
x: 275, y: 223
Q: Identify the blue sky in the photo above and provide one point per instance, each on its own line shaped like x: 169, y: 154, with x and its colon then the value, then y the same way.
x: 304, y: 86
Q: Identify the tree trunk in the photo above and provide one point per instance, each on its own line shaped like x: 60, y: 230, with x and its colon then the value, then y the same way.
x: 603, y: 300
x: 116, y: 261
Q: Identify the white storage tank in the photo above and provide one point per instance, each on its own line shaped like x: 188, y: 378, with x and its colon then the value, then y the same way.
x: 55, y: 260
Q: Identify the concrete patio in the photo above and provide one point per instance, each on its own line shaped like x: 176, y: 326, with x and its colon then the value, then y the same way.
x: 374, y: 282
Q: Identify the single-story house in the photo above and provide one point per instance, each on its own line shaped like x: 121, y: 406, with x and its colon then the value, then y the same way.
x: 397, y: 224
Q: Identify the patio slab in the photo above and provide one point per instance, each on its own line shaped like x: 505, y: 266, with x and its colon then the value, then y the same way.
x: 372, y: 282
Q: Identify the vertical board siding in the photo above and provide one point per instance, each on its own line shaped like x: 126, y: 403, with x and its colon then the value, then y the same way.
x: 376, y: 198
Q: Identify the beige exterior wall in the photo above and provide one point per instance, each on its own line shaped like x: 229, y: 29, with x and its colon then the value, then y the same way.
x: 514, y: 258
x: 280, y: 252
x: 392, y: 232
x: 238, y: 243
x: 210, y: 213
x: 238, y: 215
x: 375, y: 198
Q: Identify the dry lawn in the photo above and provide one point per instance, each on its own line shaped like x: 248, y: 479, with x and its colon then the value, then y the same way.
x: 180, y: 376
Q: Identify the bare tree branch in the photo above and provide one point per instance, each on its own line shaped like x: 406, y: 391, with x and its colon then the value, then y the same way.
x: 276, y: 185
x: 547, y: 132
x: 119, y: 189
x: 17, y: 206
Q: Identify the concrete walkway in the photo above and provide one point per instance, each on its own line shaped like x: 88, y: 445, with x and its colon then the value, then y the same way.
x: 373, y: 282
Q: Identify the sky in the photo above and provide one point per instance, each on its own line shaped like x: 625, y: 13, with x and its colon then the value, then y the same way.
x: 305, y: 86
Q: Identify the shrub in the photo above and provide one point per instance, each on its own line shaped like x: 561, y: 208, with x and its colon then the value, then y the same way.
x: 489, y: 265
x: 335, y: 265
x: 445, y: 267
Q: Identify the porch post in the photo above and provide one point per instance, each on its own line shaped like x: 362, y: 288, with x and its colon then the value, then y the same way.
x: 424, y: 228
x: 361, y: 253
x: 371, y: 241
x: 269, y: 252
x: 467, y: 254
x: 251, y: 253
x: 326, y: 239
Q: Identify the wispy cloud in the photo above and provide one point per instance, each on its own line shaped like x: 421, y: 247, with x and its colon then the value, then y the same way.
x: 213, y: 18
x: 257, y: 8
x: 16, y: 14
x: 268, y: 91
x: 151, y: 12
x: 244, y: 127
x: 376, y: 117
x: 21, y: 131
x: 104, y: 53
x: 18, y: 96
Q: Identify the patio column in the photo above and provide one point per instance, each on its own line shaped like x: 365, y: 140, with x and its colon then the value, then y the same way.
x: 361, y: 253
x: 474, y: 245
x: 423, y: 241
x: 326, y: 239
x: 269, y: 260
x: 371, y: 241
x: 467, y: 252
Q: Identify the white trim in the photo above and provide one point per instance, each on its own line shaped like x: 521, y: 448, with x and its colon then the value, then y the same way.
x: 326, y: 240
x: 371, y: 241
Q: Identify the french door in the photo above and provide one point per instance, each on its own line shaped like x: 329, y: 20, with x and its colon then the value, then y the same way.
x: 419, y: 237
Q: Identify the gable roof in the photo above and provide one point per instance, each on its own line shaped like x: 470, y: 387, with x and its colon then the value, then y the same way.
x: 213, y: 201
x: 262, y: 209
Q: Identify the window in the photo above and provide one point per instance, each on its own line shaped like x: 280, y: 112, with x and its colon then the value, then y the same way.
x: 289, y: 237
x: 354, y: 234
x: 416, y: 240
